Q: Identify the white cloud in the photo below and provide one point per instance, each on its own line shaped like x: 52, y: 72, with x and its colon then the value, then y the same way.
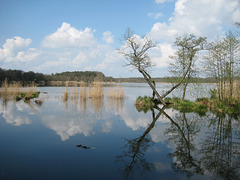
x: 162, y: 1
x: 16, y: 49
x: 27, y: 55
x: 67, y: 36
x: 160, y: 54
x: 71, y: 49
x: 108, y: 37
x: 200, y: 17
x: 155, y: 15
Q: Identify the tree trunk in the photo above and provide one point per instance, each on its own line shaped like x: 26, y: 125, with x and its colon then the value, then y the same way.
x: 184, y: 91
x: 147, y: 77
x: 174, y: 87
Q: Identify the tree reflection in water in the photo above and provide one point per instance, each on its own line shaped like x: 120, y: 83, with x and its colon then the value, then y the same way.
x: 133, y: 157
x: 182, y: 132
x: 220, y: 151
x: 203, y: 146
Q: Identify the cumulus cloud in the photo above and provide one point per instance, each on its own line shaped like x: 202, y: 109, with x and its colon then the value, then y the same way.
x: 16, y: 49
x: 202, y: 18
x: 108, y: 37
x: 73, y: 49
x: 160, y: 54
x: 67, y: 36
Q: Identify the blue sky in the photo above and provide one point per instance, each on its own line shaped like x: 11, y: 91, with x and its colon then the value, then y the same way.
x: 50, y: 36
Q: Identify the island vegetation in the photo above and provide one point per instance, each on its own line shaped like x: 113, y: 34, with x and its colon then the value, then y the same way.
x: 221, y: 63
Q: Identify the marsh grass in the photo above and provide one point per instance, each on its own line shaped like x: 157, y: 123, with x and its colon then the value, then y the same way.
x: 75, y: 96
x: 96, y: 91
x: 65, y: 94
x: 15, y: 91
x: 116, y: 98
x: 116, y: 92
x: 93, y: 96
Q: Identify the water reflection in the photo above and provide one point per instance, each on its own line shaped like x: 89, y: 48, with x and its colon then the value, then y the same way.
x: 182, y: 132
x: 133, y: 158
x: 220, y: 150
x: 217, y: 154
x: 201, y: 146
x: 15, y: 112
x: 205, y: 146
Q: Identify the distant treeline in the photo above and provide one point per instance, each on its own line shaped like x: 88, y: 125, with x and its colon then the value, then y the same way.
x: 165, y: 80
x: 80, y: 76
x: 18, y: 75
x: 39, y: 78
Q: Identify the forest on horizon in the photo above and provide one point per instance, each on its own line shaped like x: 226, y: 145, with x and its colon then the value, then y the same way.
x: 80, y: 76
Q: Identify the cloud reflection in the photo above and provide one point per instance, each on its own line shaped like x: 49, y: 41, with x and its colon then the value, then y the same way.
x: 66, y: 125
x: 14, y: 115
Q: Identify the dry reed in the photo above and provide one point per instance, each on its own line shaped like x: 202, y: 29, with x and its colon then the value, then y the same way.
x: 94, y: 94
x: 116, y: 92
x: 65, y: 94
x: 96, y: 91
x: 10, y: 91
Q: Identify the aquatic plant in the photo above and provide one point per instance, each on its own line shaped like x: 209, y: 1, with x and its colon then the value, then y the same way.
x: 15, y: 91
x: 96, y: 91
x: 65, y: 94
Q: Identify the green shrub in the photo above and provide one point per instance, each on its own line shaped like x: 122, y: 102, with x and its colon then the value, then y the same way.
x: 176, y: 100
x: 201, y: 109
x: 144, y: 103
x: 168, y: 100
x: 213, y: 93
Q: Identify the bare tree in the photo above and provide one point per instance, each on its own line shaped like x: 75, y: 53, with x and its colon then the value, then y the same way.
x: 135, y: 51
x: 188, y: 47
x: 180, y: 64
x: 222, y: 63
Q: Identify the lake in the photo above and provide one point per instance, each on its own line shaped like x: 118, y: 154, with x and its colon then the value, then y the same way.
x: 108, y: 138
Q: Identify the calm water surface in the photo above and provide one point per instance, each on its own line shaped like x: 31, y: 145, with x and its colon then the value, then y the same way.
x: 109, y: 139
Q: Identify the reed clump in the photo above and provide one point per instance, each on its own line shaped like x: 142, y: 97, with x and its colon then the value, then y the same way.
x: 96, y: 91
x: 15, y: 91
x: 94, y: 95
x: 116, y: 92
x: 116, y: 98
x: 65, y: 94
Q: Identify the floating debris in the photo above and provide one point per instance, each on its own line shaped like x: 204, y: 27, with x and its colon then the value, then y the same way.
x: 85, y: 147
